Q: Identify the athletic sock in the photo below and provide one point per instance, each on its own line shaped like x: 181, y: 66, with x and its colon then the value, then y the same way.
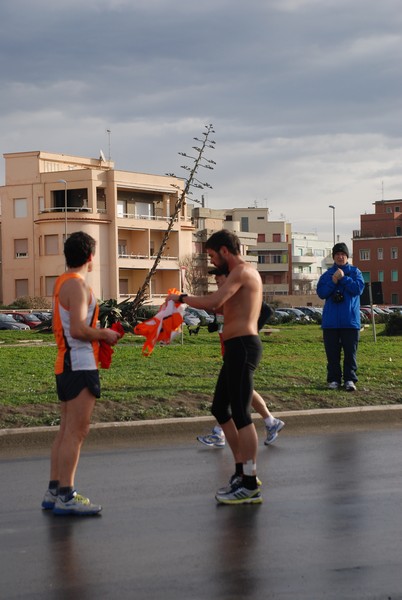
x: 54, y: 486
x: 269, y: 421
x: 250, y: 482
x: 66, y: 493
x: 239, y: 469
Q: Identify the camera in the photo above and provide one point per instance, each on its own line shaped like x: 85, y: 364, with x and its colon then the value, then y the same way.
x: 338, y: 297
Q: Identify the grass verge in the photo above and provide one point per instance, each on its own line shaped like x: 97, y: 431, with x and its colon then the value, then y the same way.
x: 179, y: 380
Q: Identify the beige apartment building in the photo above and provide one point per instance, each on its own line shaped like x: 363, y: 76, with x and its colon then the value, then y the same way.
x: 48, y: 196
x: 265, y: 244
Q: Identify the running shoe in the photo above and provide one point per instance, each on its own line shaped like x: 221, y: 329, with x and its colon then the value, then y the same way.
x: 49, y: 500
x: 216, y: 439
x: 212, y: 440
x: 239, y: 495
x: 272, y: 432
x: 333, y: 385
x: 234, y: 482
x: 350, y: 386
x: 76, y: 505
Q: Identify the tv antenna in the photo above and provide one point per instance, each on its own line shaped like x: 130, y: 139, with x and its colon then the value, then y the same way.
x: 109, y: 133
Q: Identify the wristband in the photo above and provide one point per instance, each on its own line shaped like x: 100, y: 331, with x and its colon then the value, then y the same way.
x: 181, y: 298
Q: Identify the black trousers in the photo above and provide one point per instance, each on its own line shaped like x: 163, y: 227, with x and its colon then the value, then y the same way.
x: 336, y: 340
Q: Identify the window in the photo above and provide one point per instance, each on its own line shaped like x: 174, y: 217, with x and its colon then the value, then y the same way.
x: 364, y: 254
x: 21, y: 288
x: 397, y: 209
x: 380, y: 254
x: 21, y: 248
x: 261, y: 237
x: 51, y: 245
x: 244, y: 223
x: 276, y: 237
x: 366, y: 276
x: 123, y: 287
x: 380, y: 276
x: 20, y: 208
x: 261, y: 259
x: 49, y: 285
x: 260, y: 218
x: 122, y: 247
x: 394, y: 275
x: 397, y: 230
x: 388, y: 209
x: 394, y: 253
x: 394, y: 299
x: 121, y: 208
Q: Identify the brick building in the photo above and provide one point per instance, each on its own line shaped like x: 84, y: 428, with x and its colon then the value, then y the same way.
x: 377, y: 248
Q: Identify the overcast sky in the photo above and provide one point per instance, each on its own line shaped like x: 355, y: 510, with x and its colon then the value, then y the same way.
x: 305, y: 95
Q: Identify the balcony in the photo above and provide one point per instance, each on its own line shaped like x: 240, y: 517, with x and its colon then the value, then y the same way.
x: 305, y: 259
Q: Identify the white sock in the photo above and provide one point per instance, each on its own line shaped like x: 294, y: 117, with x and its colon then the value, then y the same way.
x: 269, y: 421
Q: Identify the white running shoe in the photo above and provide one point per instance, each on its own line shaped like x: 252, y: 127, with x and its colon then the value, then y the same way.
x: 333, y: 385
x: 76, y: 505
x: 272, y: 432
x: 49, y: 500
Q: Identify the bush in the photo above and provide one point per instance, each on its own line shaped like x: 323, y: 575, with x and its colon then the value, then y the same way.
x: 393, y: 326
x: 32, y: 302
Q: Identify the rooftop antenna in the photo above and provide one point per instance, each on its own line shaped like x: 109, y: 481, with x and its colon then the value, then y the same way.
x: 382, y: 190
x: 102, y: 157
x: 109, y: 133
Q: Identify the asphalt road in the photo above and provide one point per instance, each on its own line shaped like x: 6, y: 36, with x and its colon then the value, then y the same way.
x: 330, y: 526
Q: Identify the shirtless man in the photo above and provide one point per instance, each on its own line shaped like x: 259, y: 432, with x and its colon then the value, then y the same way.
x: 216, y: 439
x: 75, y: 313
x: 241, y: 297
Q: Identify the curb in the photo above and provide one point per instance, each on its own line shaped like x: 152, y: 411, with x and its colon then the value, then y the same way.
x: 24, y: 441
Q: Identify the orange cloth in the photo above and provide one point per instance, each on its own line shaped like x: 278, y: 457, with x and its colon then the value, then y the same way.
x: 106, y: 351
x: 163, y: 327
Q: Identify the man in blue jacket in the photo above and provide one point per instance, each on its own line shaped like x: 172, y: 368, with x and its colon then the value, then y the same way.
x: 341, y: 287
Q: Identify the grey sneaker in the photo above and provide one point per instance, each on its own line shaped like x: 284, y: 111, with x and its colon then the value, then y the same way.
x: 350, y: 386
x: 76, y: 505
x: 333, y: 385
x: 49, y: 500
x: 239, y: 495
x: 234, y: 482
x: 212, y: 440
x: 272, y: 432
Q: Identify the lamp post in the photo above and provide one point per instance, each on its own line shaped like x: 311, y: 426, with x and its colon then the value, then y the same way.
x: 333, y: 222
x: 65, y: 206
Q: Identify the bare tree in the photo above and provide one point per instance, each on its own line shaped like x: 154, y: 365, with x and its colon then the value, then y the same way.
x: 191, y: 182
x: 195, y: 274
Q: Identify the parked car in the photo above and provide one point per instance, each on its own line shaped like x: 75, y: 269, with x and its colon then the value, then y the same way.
x: 192, y: 314
x: 281, y: 315
x: 311, y: 311
x: 43, y: 315
x: 297, y: 314
x: 7, y: 322
x: 28, y: 318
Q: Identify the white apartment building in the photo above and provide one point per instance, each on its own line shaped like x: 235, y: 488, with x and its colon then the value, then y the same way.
x: 311, y: 257
x: 48, y: 196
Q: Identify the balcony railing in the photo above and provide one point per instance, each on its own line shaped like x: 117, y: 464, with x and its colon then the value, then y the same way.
x: 357, y: 234
x: 61, y: 209
x: 147, y: 256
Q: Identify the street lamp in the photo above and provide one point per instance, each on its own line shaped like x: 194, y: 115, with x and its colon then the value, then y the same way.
x: 65, y: 206
x: 333, y: 222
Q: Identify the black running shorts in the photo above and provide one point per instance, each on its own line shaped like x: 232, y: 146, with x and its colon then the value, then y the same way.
x: 71, y: 383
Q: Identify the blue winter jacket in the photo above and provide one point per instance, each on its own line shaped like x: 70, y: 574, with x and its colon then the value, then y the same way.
x: 346, y: 313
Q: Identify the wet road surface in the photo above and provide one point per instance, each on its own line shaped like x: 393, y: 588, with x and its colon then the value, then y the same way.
x: 330, y: 526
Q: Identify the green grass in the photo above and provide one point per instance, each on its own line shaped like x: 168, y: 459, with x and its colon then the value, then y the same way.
x: 179, y: 380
